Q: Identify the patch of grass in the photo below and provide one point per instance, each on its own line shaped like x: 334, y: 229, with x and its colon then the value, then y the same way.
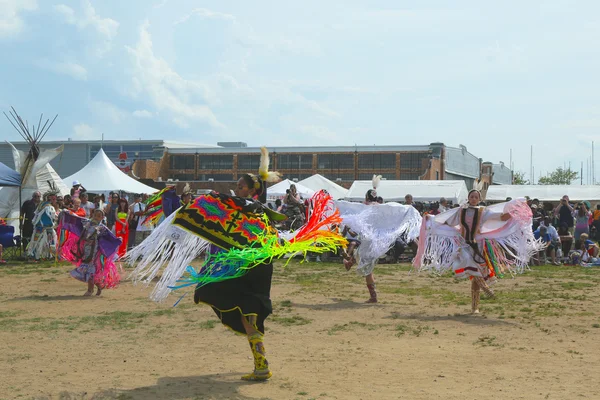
x: 291, y: 320
x: 8, y: 314
x: 576, y: 285
x: 486, y: 340
x: 48, y: 280
x: 285, y: 303
x: 595, y: 325
x: 210, y: 324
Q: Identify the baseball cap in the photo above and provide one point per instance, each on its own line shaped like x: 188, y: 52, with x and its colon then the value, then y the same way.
x: 75, y: 183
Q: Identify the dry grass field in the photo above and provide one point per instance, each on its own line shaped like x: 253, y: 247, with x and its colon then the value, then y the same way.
x: 537, y: 340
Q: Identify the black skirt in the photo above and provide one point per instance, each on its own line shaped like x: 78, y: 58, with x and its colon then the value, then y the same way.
x: 248, y: 295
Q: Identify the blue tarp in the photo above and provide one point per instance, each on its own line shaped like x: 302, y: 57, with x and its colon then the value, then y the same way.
x: 9, y: 177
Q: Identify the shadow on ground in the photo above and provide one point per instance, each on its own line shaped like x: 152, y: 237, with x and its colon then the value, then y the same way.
x: 203, y: 387
x: 473, y: 319
x: 337, y: 304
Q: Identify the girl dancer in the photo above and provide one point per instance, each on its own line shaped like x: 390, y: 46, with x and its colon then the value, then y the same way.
x: 378, y: 226
x: 91, y: 246
x: 478, y: 242
x: 240, y: 244
x: 122, y: 226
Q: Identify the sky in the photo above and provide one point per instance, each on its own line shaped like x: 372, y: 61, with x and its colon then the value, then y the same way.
x: 493, y: 76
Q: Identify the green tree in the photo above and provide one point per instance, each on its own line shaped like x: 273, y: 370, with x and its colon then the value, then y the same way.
x: 559, y: 176
x: 519, y: 178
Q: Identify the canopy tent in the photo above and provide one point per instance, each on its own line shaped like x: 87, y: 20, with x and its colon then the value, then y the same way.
x: 544, y: 192
x: 318, y: 182
x: 102, y: 175
x: 454, y: 191
x: 9, y: 177
x: 278, y: 189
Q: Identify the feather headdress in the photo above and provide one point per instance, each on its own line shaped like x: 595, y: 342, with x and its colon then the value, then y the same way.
x: 52, y: 191
x: 263, y: 169
x: 186, y: 189
x: 375, y: 181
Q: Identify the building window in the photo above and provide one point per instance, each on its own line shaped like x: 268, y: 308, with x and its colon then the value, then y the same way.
x: 409, y: 176
x: 335, y: 161
x: 216, y: 161
x: 377, y: 161
x: 295, y: 175
x: 216, y: 177
x: 294, y: 161
x: 248, y: 162
x: 181, y: 162
x: 413, y: 160
x: 134, y: 152
x: 183, y: 177
x: 344, y: 176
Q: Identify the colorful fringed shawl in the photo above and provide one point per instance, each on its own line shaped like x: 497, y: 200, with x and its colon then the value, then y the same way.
x: 160, y: 205
x: 72, y: 231
x: 238, y: 226
x: 501, y: 246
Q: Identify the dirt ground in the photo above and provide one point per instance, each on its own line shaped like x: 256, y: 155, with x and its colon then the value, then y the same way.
x: 537, y: 340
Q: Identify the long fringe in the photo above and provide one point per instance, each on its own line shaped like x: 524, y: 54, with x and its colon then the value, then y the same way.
x: 171, y: 250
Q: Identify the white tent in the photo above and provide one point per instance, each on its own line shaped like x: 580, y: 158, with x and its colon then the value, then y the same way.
x: 318, y: 182
x: 38, y: 175
x: 278, y: 189
x: 454, y: 191
x: 102, y: 175
x: 544, y: 192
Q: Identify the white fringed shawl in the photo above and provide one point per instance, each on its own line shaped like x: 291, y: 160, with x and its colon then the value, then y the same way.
x: 512, y: 240
x: 378, y: 226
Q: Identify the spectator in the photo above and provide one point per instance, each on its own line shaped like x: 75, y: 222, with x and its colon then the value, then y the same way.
x: 537, y: 217
x: 590, y: 246
x: 553, y: 243
x: 408, y: 200
x: 68, y: 201
x: 76, y: 189
x: 596, y: 222
x: 443, y: 206
x: 27, y: 212
x: 77, y: 209
x: 565, y: 238
x: 137, y: 209
x: 111, y: 210
x: 542, y: 234
x: 88, y: 206
x: 582, y: 218
x: 61, y: 203
x: 278, y: 205
x: 564, y: 212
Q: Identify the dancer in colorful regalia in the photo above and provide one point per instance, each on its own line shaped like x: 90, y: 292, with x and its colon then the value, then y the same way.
x: 478, y: 242
x: 43, y: 240
x: 240, y: 243
x: 378, y: 227
x: 91, y: 246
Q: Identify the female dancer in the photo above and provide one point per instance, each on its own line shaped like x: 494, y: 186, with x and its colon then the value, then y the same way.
x: 43, y: 241
x: 240, y: 243
x: 378, y: 226
x: 122, y: 226
x: 478, y: 242
x: 90, y: 245
x: 243, y: 304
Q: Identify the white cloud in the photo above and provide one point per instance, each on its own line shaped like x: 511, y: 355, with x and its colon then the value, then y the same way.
x: 142, y: 114
x: 155, y: 79
x: 73, y: 70
x: 106, y: 28
x: 11, y: 22
x: 107, y: 111
x: 206, y: 14
x: 83, y: 131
